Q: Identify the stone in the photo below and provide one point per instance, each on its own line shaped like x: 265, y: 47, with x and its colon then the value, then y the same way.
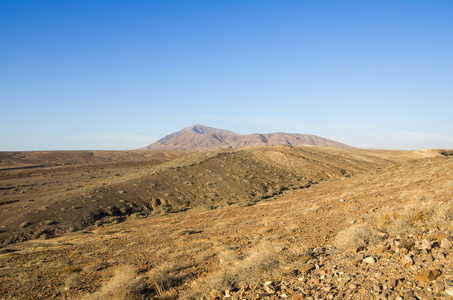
x: 407, y: 261
x: 427, y: 258
x: 449, y: 291
x: 307, y: 268
x: 439, y: 286
x: 268, y: 283
x: 379, y: 250
x: 391, y: 284
x: 269, y: 289
x: 406, y: 245
x: 359, y: 258
x: 427, y: 275
x: 355, y: 249
x: 446, y: 243
x: 369, y: 260
x: 305, y: 258
x: 415, y: 251
x: 343, y: 281
x: 24, y: 224
x: 426, y: 245
x: 284, y: 296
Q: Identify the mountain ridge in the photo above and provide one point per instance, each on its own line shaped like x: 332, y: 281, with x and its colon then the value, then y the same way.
x: 202, y: 138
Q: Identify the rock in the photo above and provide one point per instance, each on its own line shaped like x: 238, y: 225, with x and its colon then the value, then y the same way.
x: 379, y: 250
x: 319, y: 251
x: 449, y: 288
x: 49, y: 222
x: 446, y: 243
x: 284, y: 296
x: 391, y: 284
x: 269, y: 289
x: 359, y: 258
x: 407, y: 261
x: 426, y: 245
x: 415, y: 251
x: 227, y: 294
x: 428, y: 275
x: 307, y: 268
x: 427, y: 258
x: 355, y: 249
x: 439, y: 286
x: 24, y: 224
x: 410, y: 295
x: 406, y: 245
x: 343, y: 280
x: 305, y: 258
x: 369, y: 260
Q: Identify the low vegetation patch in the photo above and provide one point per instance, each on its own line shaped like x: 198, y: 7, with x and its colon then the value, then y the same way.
x: 355, y: 236
x: 265, y: 262
x: 416, y: 215
x: 125, y: 284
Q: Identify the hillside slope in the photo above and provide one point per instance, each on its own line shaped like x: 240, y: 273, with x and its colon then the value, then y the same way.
x: 74, y: 197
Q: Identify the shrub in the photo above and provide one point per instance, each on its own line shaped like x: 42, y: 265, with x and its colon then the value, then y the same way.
x: 160, y: 277
x: 354, y: 236
x: 124, y: 285
x: 415, y: 215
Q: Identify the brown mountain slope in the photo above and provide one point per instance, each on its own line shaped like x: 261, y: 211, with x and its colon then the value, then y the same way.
x: 56, y: 199
x: 202, y: 138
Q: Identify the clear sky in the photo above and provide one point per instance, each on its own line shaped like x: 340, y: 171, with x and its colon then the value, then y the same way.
x: 106, y: 74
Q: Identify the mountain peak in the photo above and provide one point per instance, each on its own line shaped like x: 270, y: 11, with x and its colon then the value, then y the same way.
x: 201, y: 138
x: 203, y: 129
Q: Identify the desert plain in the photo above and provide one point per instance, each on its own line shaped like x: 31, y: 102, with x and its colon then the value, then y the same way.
x: 276, y: 222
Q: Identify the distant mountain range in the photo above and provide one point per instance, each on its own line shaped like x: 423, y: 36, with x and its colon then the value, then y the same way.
x: 202, y: 138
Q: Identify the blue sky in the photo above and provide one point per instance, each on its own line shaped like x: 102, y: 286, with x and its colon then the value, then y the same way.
x: 79, y: 75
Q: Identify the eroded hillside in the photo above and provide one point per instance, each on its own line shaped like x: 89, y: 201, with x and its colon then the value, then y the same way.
x: 50, y: 199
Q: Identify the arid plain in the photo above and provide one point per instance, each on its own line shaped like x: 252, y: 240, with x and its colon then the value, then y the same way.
x: 251, y: 223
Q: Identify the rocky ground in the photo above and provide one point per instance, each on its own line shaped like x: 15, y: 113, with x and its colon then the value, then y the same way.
x: 406, y: 267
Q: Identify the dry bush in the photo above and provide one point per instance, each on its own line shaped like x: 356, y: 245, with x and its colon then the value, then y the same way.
x: 415, y: 215
x: 354, y: 236
x: 264, y: 262
x: 125, y: 284
x: 160, y: 277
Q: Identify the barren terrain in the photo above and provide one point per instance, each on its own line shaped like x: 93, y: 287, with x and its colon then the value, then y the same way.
x: 250, y: 223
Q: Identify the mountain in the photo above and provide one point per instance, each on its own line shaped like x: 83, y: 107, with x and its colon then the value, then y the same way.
x: 202, y: 138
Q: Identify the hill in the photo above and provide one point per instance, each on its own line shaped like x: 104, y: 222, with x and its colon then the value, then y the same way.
x: 76, y: 189
x: 202, y: 138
